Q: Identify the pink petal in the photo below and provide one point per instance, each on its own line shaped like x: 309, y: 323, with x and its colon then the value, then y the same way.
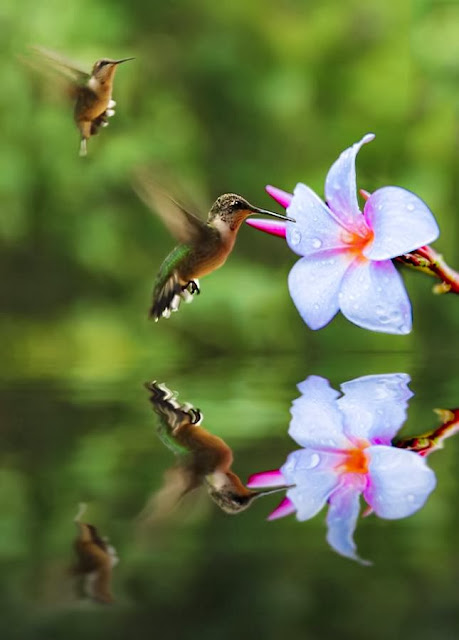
x: 342, y: 519
x: 341, y: 188
x: 373, y: 296
x: 264, y: 479
x: 314, y: 283
x: 374, y: 407
x: 273, y: 227
x: 285, y: 508
x: 282, y: 197
x: 315, y: 228
x: 316, y: 419
x: 400, y: 221
x: 399, y: 481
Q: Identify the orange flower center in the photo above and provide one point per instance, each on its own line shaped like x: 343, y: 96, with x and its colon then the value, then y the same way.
x: 355, y: 241
x: 356, y: 461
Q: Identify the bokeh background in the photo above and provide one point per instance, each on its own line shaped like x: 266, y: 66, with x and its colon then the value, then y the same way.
x: 224, y: 97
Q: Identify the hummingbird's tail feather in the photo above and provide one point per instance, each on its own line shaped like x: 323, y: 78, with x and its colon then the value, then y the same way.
x: 83, y: 148
x: 169, y: 294
x: 166, y: 405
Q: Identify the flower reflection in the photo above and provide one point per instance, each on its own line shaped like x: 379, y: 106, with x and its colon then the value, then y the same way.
x: 347, y: 452
x: 96, y: 559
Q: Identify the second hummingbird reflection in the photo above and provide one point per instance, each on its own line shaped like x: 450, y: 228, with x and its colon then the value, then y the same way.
x: 91, y: 92
x: 203, y: 246
x: 203, y: 458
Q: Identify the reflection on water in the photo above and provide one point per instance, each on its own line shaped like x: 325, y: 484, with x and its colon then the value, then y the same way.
x: 96, y: 559
x: 204, y: 458
x: 347, y: 453
x: 67, y: 439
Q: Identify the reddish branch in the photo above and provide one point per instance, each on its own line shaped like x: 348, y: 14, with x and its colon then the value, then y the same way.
x: 433, y: 440
x: 428, y: 260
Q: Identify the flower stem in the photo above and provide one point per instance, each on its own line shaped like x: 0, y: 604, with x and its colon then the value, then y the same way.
x: 434, y: 439
x: 429, y: 261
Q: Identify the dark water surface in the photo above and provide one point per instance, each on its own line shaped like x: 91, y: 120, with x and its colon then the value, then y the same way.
x: 69, y: 437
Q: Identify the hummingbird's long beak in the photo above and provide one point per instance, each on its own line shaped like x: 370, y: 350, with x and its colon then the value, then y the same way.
x: 268, y: 492
x: 256, y: 210
x: 122, y: 60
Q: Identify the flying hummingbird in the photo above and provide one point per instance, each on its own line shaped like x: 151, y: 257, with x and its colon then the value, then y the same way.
x: 95, y: 561
x: 204, y: 246
x: 204, y: 459
x: 90, y: 92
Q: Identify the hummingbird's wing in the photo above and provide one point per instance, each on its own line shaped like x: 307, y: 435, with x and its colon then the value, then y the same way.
x: 183, y: 225
x: 68, y: 73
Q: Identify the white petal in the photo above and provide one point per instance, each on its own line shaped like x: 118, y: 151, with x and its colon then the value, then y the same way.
x: 315, y: 228
x: 316, y: 420
x: 342, y: 519
x: 399, y: 481
x: 314, y: 284
x: 400, y: 221
x: 374, y: 407
x: 315, y: 479
x: 373, y: 296
x: 341, y: 187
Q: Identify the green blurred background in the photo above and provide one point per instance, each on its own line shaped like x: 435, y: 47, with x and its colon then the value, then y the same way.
x: 226, y: 97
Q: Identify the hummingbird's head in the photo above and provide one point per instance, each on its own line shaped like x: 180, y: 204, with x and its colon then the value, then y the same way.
x: 232, y: 210
x: 104, y: 69
x: 229, y: 493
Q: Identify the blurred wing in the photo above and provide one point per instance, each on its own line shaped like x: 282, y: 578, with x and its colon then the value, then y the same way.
x: 62, y: 70
x: 176, y: 483
x: 184, y: 226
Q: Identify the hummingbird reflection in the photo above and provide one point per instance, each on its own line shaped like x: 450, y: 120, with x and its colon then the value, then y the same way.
x: 91, y: 92
x: 95, y: 561
x: 203, y: 246
x: 203, y: 457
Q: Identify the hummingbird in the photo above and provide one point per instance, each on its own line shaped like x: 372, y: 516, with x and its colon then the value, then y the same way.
x: 91, y: 92
x: 204, y: 458
x: 203, y: 246
x: 96, y: 559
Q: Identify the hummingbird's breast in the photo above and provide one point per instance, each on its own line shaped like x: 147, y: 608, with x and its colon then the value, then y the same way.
x: 92, y: 101
x: 209, y: 255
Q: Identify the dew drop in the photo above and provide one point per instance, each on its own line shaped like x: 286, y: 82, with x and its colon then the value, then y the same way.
x: 316, y: 243
x: 410, y: 497
x: 295, y: 237
x: 410, y: 207
x: 316, y: 306
x: 313, y: 461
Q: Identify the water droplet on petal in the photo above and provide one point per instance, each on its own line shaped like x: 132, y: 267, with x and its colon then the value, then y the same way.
x: 313, y: 461
x: 295, y: 237
x: 410, y: 497
x: 316, y: 243
x: 410, y: 207
x: 316, y: 306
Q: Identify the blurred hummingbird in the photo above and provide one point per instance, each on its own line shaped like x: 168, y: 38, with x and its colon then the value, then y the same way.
x: 204, y: 246
x: 203, y: 457
x: 91, y: 92
x: 96, y: 559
